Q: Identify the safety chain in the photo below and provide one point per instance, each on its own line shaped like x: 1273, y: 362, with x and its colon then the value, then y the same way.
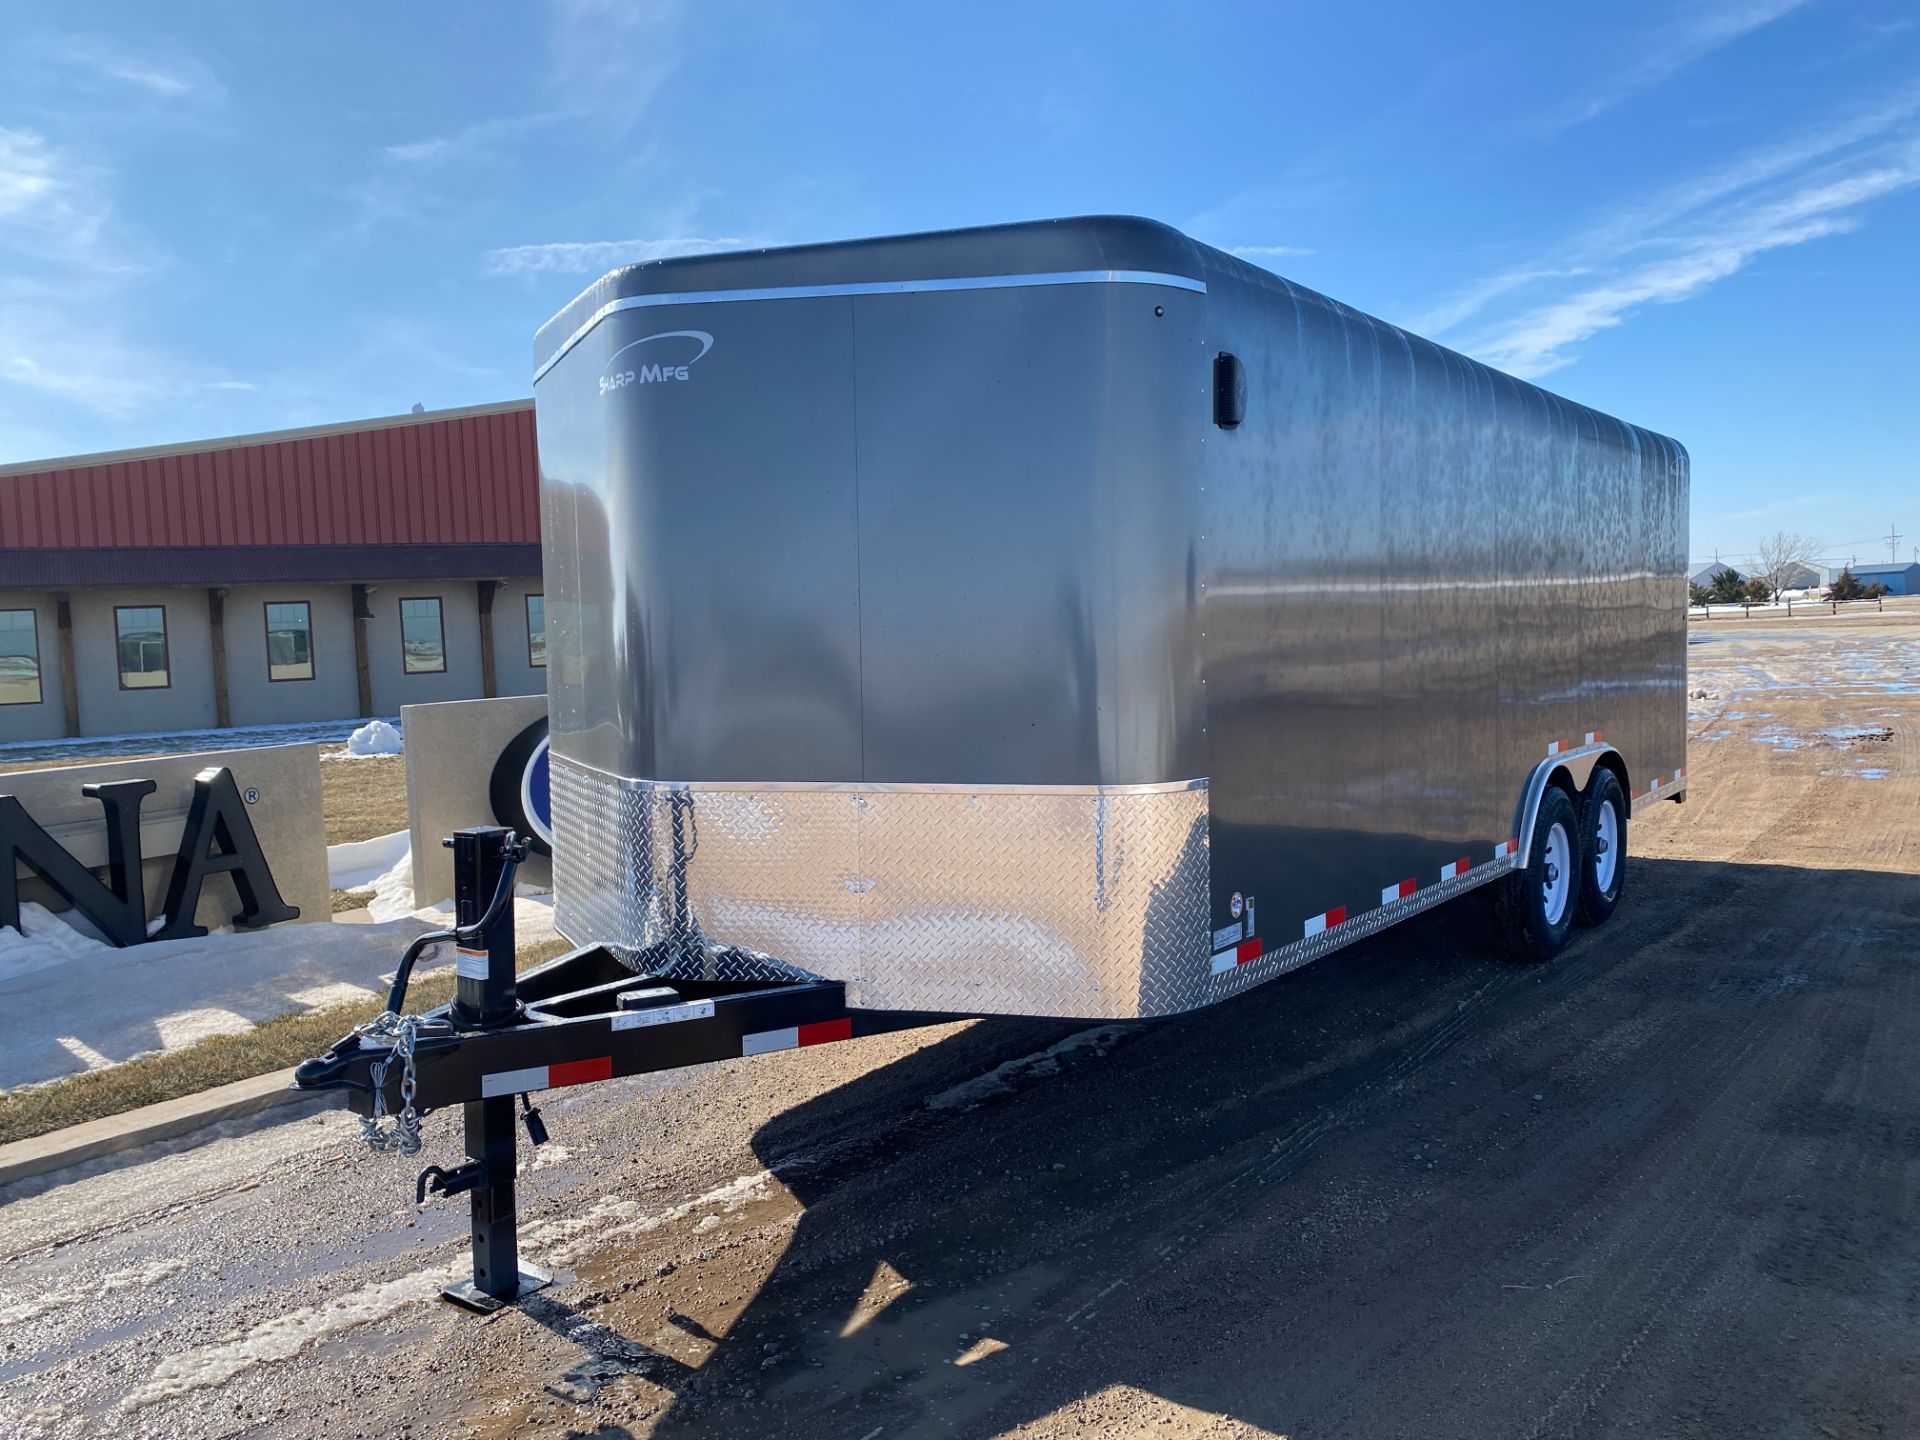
x: 403, y: 1136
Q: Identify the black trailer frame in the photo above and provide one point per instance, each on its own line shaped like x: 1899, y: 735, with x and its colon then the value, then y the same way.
x: 584, y: 1017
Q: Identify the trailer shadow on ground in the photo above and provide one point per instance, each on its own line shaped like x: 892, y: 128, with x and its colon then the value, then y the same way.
x: 1410, y: 1190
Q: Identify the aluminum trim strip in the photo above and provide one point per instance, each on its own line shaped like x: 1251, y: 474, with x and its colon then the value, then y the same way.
x: 884, y: 787
x: 872, y: 287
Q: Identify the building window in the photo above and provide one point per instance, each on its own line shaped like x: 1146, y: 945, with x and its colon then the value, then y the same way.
x: 537, y: 630
x: 19, y: 657
x: 142, y: 634
x: 289, y: 640
x: 423, y: 641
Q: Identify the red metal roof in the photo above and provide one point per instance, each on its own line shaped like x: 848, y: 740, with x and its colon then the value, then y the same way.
x: 450, y: 477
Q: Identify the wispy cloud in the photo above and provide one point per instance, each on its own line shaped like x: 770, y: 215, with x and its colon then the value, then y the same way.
x: 1540, y: 340
x: 481, y: 140
x: 612, y: 57
x: 1680, y: 239
x: 171, y: 77
x: 1697, y: 33
x: 1482, y: 293
x: 66, y: 267
x: 595, y: 257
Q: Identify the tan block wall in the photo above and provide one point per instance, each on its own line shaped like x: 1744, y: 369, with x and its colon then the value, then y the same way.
x: 451, y: 750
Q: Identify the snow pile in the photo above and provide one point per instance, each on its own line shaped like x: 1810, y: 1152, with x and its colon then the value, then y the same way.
x: 393, y: 890
x: 376, y: 737
x: 359, y: 864
x: 48, y: 939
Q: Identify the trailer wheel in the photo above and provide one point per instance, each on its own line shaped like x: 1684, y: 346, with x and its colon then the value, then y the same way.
x: 1538, y: 902
x: 1603, y: 833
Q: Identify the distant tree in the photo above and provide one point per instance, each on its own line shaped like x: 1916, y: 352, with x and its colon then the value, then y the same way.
x: 1758, y: 591
x: 1875, y: 591
x: 1729, y: 587
x: 1782, y: 557
x: 1846, y: 586
x: 1697, y: 594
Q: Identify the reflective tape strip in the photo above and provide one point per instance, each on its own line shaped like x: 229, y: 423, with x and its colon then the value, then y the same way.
x: 1681, y: 773
x: 514, y: 1082
x: 1454, y: 868
x: 546, y: 1077
x: 794, y: 1037
x: 580, y: 1072
x: 1653, y: 784
x: 1554, y: 747
x: 1594, y: 737
x: 1506, y: 848
x: 1245, y: 953
x: 1324, y: 922
x: 1398, y: 892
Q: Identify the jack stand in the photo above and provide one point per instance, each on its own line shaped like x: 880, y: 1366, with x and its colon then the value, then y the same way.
x: 499, y: 1276
x: 488, y: 998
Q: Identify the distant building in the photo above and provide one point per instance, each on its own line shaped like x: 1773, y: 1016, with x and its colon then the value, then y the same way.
x: 1899, y: 579
x: 1705, y: 578
x: 299, y: 575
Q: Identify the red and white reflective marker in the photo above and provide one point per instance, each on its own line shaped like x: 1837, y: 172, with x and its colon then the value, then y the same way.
x: 1557, y: 747
x: 547, y: 1077
x: 1398, y: 892
x: 1324, y: 922
x: 1245, y: 953
x: 1455, y: 868
x: 1506, y: 848
x: 1594, y: 737
x: 795, y: 1036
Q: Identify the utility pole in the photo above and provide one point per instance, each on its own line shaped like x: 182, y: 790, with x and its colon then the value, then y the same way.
x: 1893, y: 545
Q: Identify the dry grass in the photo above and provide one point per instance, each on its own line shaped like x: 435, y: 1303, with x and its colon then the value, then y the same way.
x: 363, y: 798
x: 218, y: 1060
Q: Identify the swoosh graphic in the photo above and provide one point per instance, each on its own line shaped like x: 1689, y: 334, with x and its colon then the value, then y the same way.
x: 706, y: 344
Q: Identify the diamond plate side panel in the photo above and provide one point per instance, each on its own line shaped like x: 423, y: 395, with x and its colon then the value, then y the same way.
x: 1081, y: 903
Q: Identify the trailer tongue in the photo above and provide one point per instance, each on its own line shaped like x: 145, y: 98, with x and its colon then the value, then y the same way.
x: 586, y: 1016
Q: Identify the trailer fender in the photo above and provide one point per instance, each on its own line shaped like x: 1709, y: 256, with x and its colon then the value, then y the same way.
x: 1577, y: 766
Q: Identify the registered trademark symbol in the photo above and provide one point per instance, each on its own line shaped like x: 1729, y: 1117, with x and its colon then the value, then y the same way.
x: 251, y: 795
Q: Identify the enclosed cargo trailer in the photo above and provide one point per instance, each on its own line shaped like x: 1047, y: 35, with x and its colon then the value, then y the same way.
x: 1067, y: 619
x: 1063, y: 619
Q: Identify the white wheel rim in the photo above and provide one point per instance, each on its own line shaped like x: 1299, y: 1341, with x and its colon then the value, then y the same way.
x: 1607, y: 842
x: 1557, y: 882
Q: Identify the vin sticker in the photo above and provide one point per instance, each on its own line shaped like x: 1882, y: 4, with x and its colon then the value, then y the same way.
x: 1230, y: 935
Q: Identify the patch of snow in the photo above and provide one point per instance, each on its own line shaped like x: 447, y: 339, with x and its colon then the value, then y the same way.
x: 1016, y: 1075
x: 357, y: 864
x: 376, y: 737
x: 43, y: 1302
x: 393, y: 891
x: 117, y: 1004
x: 43, y: 939
x: 179, y: 742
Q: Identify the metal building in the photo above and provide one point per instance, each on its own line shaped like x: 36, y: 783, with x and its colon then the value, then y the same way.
x: 298, y: 575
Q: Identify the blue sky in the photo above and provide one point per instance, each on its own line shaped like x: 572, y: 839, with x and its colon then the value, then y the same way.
x: 1701, y: 216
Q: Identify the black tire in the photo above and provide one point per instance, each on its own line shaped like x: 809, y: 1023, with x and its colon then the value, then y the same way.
x: 1520, y: 899
x: 1597, y: 901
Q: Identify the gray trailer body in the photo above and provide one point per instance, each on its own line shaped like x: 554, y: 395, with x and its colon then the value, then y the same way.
x: 912, y: 623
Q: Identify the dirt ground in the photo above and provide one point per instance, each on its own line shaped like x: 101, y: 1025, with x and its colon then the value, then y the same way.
x: 1663, y: 1186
